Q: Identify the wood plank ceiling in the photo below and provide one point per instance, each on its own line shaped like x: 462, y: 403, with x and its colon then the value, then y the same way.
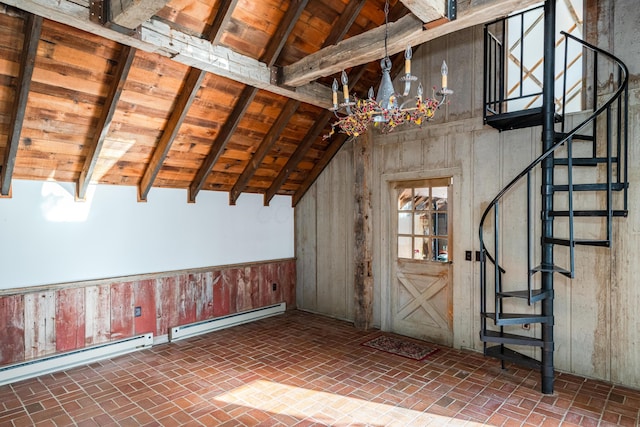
x: 200, y: 96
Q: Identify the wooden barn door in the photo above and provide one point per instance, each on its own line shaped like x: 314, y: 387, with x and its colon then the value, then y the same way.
x: 421, y: 305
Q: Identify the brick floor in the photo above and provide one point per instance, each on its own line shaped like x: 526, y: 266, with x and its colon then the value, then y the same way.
x: 307, y: 370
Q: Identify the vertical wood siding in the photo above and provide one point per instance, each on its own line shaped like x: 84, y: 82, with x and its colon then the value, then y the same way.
x: 35, y: 324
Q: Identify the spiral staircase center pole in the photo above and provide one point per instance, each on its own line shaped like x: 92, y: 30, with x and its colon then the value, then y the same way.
x: 548, y: 139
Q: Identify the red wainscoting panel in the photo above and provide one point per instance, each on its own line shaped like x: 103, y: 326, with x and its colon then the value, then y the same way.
x: 221, y: 303
x: 65, y: 318
x: 122, y: 325
x: 144, y: 296
x: 70, y: 318
x: 98, y: 314
x: 11, y: 329
x: 40, y: 315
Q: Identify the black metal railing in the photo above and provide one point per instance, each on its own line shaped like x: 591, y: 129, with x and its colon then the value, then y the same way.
x: 608, y: 119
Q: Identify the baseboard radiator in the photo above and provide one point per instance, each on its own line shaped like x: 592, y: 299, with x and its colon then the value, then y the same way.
x: 192, y: 329
x: 62, y: 361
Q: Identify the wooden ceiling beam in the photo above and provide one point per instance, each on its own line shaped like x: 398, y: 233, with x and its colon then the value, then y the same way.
x: 224, y: 135
x: 179, y: 112
x: 408, y: 30
x: 265, y: 146
x: 104, y: 122
x: 426, y: 10
x: 273, y: 49
x: 132, y: 13
x: 158, y: 37
x: 33, y: 28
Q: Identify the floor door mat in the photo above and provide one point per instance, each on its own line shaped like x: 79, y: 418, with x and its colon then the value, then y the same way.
x: 401, y: 347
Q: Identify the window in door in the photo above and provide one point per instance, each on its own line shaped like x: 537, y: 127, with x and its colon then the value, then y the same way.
x: 423, y: 220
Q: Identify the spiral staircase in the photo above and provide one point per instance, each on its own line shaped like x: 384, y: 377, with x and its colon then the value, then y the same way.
x: 581, y: 175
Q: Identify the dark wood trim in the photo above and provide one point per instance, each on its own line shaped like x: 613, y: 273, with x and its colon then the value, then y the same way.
x: 244, y: 100
x: 363, y: 243
x: 265, y: 146
x: 33, y: 28
x: 104, y: 122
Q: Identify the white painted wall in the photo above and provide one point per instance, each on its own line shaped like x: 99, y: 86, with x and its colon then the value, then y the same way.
x: 46, y: 237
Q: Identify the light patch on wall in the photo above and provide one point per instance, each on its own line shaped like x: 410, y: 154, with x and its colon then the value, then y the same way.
x: 59, y: 204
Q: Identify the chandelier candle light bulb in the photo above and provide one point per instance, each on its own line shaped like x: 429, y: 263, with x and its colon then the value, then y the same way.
x: 444, y: 70
x: 407, y: 60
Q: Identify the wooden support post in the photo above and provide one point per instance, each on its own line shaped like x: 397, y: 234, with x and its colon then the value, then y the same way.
x: 363, y: 282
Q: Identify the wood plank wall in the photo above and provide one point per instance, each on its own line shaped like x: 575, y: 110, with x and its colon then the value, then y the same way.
x: 35, y: 323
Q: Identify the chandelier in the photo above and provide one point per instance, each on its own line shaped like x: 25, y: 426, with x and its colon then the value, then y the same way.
x: 388, y: 109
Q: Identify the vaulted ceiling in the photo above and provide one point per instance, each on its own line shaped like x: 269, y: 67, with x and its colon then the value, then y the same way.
x: 226, y: 95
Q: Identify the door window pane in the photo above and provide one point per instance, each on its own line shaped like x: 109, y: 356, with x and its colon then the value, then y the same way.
x: 405, y: 249
x: 404, y: 223
x: 422, y: 218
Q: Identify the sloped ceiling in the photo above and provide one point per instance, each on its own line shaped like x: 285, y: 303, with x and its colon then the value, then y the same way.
x: 225, y: 95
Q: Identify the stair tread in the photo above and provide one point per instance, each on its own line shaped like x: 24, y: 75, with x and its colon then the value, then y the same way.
x: 502, y: 337
x: 594, y: 212
x: 504, y: 353
x: 536, y: 294
x: 583, y: 161
x: 551, y: 269
x: 617, y: 186
x: 517, y: 318
x: 559, y: 136
x: 517, y: 119
x: 584, y: 242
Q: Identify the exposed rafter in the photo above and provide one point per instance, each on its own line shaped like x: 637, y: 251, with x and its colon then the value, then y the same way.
x: 102, y: 128
x: 224, y: 135
x: 297, y: 155
x: 33, y: 28
x: 369, y: 46
x: 225, y: 9
x: 265, y: 146
x: 347, y: 17
x: 296, y: 7
x: 183, y: 103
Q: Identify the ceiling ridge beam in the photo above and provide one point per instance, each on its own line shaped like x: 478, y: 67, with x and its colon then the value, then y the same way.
x: 265, y: 146
x: 408, y: 30
x: 178, y: 114
x: 222, y: 138
x: 158, y: 37
x: 104, y: 122
x: 33, y: 28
